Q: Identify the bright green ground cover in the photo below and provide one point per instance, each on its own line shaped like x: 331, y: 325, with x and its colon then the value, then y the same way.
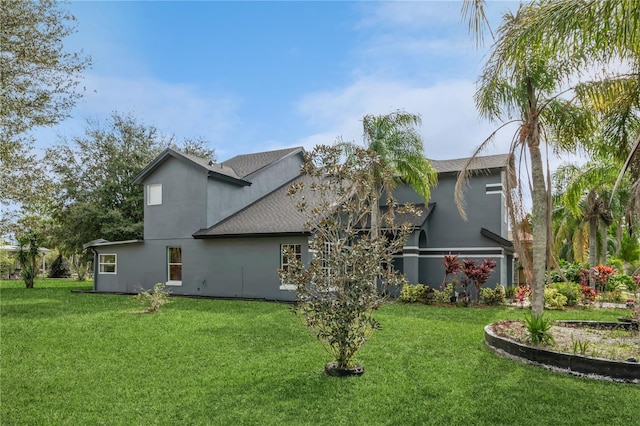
x: 85, y: 359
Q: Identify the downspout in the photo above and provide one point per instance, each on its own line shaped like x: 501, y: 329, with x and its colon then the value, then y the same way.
x: 95, y: 268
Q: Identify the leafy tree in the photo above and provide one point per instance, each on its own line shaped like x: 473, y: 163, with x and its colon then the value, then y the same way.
x: 394, y: 139
x: 39, y: 86
x: 337, y: 290
x: 95, y: 195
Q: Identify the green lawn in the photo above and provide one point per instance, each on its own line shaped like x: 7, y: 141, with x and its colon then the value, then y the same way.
x: 84, y: 359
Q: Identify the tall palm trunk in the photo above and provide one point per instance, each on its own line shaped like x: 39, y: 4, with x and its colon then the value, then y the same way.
x: 593, y: 247
x: 539, y: 221
x: 603, y: 243
x: 540, y: 207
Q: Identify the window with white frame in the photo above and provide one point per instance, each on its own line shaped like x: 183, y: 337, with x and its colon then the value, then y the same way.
x: 285, y: 258
x: 107, y: 263
x: 326, y: 258
x: 154, y: 194
x: 174, y: 265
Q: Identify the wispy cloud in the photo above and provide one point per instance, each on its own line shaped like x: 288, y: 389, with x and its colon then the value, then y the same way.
x: 450, y: 124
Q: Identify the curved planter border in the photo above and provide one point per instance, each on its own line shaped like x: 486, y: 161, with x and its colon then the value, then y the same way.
x: 579, y: 365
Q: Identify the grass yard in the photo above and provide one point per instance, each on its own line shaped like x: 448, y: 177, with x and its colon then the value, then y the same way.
x: 84, y: 359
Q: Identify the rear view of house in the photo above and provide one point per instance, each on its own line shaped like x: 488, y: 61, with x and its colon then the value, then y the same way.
x: 218, y: 229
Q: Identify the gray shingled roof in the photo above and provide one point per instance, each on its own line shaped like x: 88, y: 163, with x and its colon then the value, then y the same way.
x: 246, y: 164
x: 479, y: 163
x: 275, y: 213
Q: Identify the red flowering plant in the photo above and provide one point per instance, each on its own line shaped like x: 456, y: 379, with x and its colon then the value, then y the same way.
x: 601, y: 274
x: 477, y: 274
x: 584, y: 276
x: 451, y: 266
x: 588, y: 295
x: 523, y: 293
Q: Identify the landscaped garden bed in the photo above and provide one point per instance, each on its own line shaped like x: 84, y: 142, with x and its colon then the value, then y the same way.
x: 608, y: 350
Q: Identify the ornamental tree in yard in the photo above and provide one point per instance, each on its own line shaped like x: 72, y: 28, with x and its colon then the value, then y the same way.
x: 338, y: 290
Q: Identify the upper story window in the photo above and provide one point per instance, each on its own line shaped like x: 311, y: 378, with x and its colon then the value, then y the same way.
x: 154, y: 194
x: 107, y: 263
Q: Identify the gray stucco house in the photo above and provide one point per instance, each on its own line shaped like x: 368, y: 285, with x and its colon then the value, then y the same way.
x: 217, y: 229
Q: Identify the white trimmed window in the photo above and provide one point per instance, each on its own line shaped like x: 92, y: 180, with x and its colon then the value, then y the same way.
x: 174, y: 265
x: 107, y: 263
x: 285, y: 258
x: 154, y: 194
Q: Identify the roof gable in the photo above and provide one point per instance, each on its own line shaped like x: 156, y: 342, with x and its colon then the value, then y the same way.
x: 212, y: 169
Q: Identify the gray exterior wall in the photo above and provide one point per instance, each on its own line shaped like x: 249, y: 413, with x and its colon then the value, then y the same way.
x: 236, y: 267
x: 184, y: 205
x: 225, y: 199
x: 446, y: 231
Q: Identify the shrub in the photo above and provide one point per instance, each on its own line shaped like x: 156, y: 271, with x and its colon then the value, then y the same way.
x: 538, y: 330
x: 588, y: 295
x: 601, y: 275
x: 569, y: 290
x: 510, y: 292
x: 570, y: 270
x: 493, y: 296
x: 412, y: 293
x: 444, y: 296
x: 154, y: 298
x: 60, y: 268
x: 621, y: 282
x: 553, y: 299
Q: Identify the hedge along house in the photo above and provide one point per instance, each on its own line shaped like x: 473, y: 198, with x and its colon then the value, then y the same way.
x: 218, y: 229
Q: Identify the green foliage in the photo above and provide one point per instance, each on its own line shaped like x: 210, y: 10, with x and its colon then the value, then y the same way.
x: 493, y: 296
x: 553, y: 299
x: 569, y: 290
x: 538, y: 330
x: 580, y: 346
x: 153, y: 299
x: 621, y: 282
x: 40, y: 79
x: 96, y: 196
x: 60, y: 268
x: 571, y: 271
x: 412, y: 293
x: 630, y: 248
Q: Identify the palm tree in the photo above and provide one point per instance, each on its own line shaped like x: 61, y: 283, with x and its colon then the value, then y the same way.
x: 578, y: 34
x: 396, y: 141
x: 588, y: 34
x: 525, y: 89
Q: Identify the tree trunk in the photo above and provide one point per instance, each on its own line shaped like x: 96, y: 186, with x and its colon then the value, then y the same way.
x: 603, y: 243
x: 618, y: 237
x: 593, y: 247
x: 539, y: 200
x: 539, y: 221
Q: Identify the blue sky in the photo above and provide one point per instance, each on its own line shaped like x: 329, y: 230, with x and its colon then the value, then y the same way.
x: 253, y: 76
